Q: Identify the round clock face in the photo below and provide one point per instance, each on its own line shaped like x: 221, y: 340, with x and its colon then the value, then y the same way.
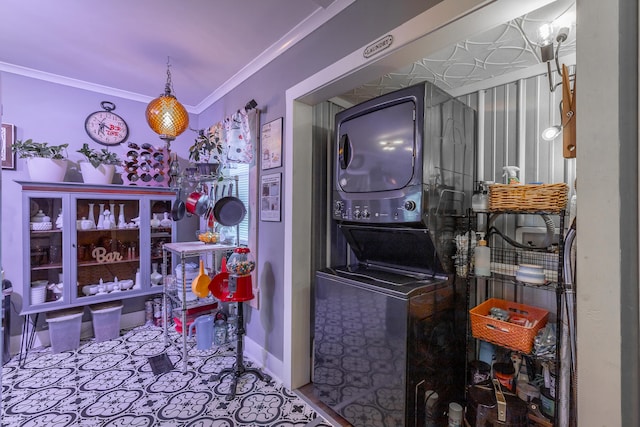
x: 105, y: 127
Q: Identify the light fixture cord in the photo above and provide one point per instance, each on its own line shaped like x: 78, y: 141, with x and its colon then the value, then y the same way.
x: 168, y: 88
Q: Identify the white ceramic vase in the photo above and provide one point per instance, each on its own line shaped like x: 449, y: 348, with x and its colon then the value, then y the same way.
x: 121, y: 221
x: 156, y: 278
x: 103, y: 174
x: 91, y: 217
x: 101, y: 217
x: 47, y: 170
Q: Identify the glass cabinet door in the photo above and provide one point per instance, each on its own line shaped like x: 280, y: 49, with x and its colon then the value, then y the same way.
x: 46, y: 251
x: 161, y: 233
x: 108, y: 246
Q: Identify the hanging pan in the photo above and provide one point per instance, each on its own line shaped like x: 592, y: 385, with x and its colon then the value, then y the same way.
x: 229, y: 210
x: 198, y: 201
x: 178, y: 209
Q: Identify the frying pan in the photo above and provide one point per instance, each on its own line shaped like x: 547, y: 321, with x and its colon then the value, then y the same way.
x: 178, y: 209
x: 229, y: 210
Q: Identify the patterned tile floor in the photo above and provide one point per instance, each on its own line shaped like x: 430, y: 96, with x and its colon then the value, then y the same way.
x: 112, y: 384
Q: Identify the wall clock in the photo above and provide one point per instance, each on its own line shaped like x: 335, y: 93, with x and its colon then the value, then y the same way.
x: 106, y: 127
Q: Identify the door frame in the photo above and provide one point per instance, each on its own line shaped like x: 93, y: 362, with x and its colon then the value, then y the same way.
x: 444, y: 24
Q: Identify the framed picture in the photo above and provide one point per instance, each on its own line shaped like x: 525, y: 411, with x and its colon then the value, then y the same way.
x: 271, y: 144
x: 8, y: 138
x: 270, y: 197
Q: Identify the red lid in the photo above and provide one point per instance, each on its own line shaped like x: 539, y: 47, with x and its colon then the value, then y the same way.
x: 243, y: 250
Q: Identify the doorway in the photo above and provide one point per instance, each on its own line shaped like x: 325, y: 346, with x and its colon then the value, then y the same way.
x: 440, y: 26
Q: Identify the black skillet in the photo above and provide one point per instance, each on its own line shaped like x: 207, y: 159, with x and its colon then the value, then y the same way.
x: 229, y: 210
x: 178, y: 209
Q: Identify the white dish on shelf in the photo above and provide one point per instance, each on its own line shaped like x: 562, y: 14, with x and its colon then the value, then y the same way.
x: 126, y: 284
x: 90, y: 289
x: 39, y: 283
x: 41, y: 226
x: 530, y: 273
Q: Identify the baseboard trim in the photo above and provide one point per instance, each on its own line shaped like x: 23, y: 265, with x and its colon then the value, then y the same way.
x: 265, y: 360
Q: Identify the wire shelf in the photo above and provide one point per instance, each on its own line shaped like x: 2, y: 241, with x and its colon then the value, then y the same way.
x: 506, y: 261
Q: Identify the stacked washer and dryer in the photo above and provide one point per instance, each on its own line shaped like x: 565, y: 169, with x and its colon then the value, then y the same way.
x: 389, y: 317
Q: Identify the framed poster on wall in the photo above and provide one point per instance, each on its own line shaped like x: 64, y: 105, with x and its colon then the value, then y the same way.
x: 271, y: 144
x: 270, y: 197
x: 8, y: 138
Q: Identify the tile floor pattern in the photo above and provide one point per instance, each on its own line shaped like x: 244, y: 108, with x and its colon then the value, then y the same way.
x: 111, y: 384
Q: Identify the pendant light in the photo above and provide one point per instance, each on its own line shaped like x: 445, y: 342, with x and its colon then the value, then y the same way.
x: 165, y: 115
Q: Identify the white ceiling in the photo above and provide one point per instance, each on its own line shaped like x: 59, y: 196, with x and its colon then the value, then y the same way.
x: 121, y: 46
x: 112, y: 46
x: 499, y: 55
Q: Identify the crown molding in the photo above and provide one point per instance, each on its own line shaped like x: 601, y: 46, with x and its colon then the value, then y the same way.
x: 300, y: 31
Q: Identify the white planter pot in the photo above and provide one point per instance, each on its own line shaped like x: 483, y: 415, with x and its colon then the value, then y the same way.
x: 47, y: 170
x: 103, y: 174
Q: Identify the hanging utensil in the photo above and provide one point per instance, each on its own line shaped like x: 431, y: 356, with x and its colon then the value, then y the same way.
x: 200, y: 285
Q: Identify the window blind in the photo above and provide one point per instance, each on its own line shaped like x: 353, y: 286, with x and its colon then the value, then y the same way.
x: 241, y: 170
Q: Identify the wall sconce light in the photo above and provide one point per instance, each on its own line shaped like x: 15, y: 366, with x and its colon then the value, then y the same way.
x: 547, y: 54
x: 165, y: 115
x: 551, y: 133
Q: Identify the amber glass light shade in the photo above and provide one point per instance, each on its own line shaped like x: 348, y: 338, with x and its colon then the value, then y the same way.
x: 167, y: 117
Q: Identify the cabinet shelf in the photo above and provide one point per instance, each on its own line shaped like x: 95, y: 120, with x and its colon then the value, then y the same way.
x: 95, y: 263
x: 549, y: 285
x: 46, y: 267
x: 108, y: 230
x: 44, y: 233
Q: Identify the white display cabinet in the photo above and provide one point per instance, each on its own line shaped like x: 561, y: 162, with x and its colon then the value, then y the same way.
x: 74, y: 254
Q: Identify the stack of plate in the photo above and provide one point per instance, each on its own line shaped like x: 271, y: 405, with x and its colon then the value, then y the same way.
x: 530, y: 273
x: 38, y: 292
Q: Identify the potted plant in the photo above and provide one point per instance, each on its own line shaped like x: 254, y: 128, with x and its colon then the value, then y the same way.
x: 99, y: 166
x: 46, y: 163
x: 206, y: 152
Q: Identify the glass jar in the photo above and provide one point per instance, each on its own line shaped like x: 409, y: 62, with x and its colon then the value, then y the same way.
x: 480, y: 199
x: 241, y: 262
x: 220, y: 332
x: 232, y: 328
x: 227, y: 234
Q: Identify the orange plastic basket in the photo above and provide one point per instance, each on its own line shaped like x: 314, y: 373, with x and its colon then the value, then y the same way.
x: 507, y: 334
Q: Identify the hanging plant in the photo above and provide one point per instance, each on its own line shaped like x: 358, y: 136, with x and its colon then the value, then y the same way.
x: 208, y: 146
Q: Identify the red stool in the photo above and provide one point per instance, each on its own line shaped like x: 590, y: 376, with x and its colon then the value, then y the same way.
x: 237, y: 289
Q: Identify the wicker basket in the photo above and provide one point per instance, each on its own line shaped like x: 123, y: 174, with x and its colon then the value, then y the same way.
x: 528, y: 197
x: 507, y: 334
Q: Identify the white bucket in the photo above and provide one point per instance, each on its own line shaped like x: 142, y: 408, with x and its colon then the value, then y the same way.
x: 47, y: 170
x: 103, y: 174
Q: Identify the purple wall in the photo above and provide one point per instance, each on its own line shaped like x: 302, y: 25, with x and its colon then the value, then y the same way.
x: 54, y: 113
